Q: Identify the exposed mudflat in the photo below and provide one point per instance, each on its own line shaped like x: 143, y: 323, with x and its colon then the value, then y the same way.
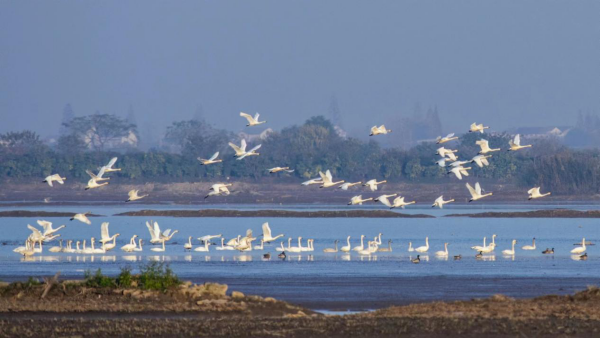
x: 274, y: 213
x: 26, y: 213
x: 198, y: 310
x: 554, y: 213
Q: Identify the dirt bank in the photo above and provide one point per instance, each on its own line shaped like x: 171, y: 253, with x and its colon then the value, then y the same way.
x: 553, y: 213
x: 26, y: 213
x: 192, y: 310
x: 273, y: 213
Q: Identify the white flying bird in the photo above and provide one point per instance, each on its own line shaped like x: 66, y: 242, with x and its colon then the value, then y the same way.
x: 82, y: 218
x: 460, y: 171
x: 313, y: 181
x: 372, y: 184
x: 485, y: 146
x: 359, y: 200
x: 379, y: 130
x: 515, y: 144
x: 476, y: 193
x: 278, y: 169
x: 446, y: 138
x: 481, y: 160
x: 219, y: 189
x: 109, y: 167
x: 133, y: 196
x: 347, y: 185
x: 443, y: 152
x: 439, y: 202
x: 328, y: 180
x: 252, y: 121
x: 535, y: 193
x: 55, y: 177
x: 211, y: 160
x: 477, y: 128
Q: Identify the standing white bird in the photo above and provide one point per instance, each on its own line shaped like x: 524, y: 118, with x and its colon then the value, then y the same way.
x: 476, y: 193
x: 459, y: 171
x: 359, y: 200
x: 579, y: 249
x: 133, y: 196
x: 82, y: 218
x: 515, y: 144
x: 347, y: 247
x: 535, y: 193
x: 477, y: 128
x: 485, y: 147
x: 379, y: 130
x: 328, y: 179
x: 372, y: 184
x: 439, y: 202
x: 211, y: 160
x: 52, y: 178
x: 252, y: 121
x: 481, y: 160
x: 278, y: 169
x: 510, y: 252
x: 267, y: 236
x: 109, y: 167
x: 362, y: 244
x: 219, y: 189
x: 347, y: 185
x: 447, y: 138
x: 313, y: 181
x: 188, y: 245
x: 424, y: 248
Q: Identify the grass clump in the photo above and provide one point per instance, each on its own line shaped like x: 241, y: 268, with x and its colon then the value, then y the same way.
x: 125, y: 278
x: 98, y: 280
x: 157, y: 276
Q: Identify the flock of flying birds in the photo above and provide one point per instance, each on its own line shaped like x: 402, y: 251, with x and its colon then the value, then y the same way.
x: 448, y: 159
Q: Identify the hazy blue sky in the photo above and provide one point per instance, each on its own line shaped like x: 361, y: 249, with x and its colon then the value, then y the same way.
x: 505, y: 63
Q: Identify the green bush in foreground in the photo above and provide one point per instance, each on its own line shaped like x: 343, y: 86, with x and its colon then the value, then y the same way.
x: 153, y: 276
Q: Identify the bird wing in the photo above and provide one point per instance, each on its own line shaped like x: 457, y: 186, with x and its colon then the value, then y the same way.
x: 150, y: 229
x: 156, y: 230
x: 58, y: 179
x: 215, y: 155
x: 474, y: 126
x: 132, y: 193
x: 456, y: 171
x: 451, y: 156
x: 104, y: 230
x: 478, y: 188
x: 266, y: 229
x: 464, y: 171
x: 255, y: 148
x: 309, y: 182
x: 247, y: 117
x: 441, y: 163
x: 243, y: 145
x: 238, y: 150
x: 439, y: 200
x: 478, y: 160
x: 112, y: 162
x: 450, y: 135
x: 44, y: 224
x: 35, y: 231
x: 530, y: 191
x: 101, y: 172
x: 224, y: 190
x: 256, y: 117
x: 344, y: 186
x: 92, y: 175
x: 328, y: 174
x: 374, y: 129
x: 485, y: 161
x: 385, y: 201
x: 517, y: 140
x: 166, y: 233
x: 471, y: 190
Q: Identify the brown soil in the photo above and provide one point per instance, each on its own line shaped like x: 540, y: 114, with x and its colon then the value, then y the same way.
x: 192, y: 311
x: 273, y: 213
x: 25, y: 213
x: 554, y: 213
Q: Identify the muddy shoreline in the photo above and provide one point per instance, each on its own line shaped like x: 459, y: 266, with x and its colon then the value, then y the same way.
x: 274, y: 213
x: 209, y: 310
x: 552, y: 213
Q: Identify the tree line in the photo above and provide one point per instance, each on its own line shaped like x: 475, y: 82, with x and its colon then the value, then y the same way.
x: 308, y: 148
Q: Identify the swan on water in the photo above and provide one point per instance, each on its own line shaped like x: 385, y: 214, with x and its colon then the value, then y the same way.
x: 443, y: 253
x: 424, y: 248
x: 530, y: 247
x: 579, y: 249
x: 510, y: 252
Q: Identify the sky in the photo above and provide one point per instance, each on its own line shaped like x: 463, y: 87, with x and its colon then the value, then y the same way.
x: 505, y: 63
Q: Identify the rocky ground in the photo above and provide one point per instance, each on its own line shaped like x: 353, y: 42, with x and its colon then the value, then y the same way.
x: 71, y: 309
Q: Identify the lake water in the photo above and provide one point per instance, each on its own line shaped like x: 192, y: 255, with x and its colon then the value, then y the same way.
x: 334, y: 281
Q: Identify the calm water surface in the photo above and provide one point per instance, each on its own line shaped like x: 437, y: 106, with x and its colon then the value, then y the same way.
x: 334, y: 281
